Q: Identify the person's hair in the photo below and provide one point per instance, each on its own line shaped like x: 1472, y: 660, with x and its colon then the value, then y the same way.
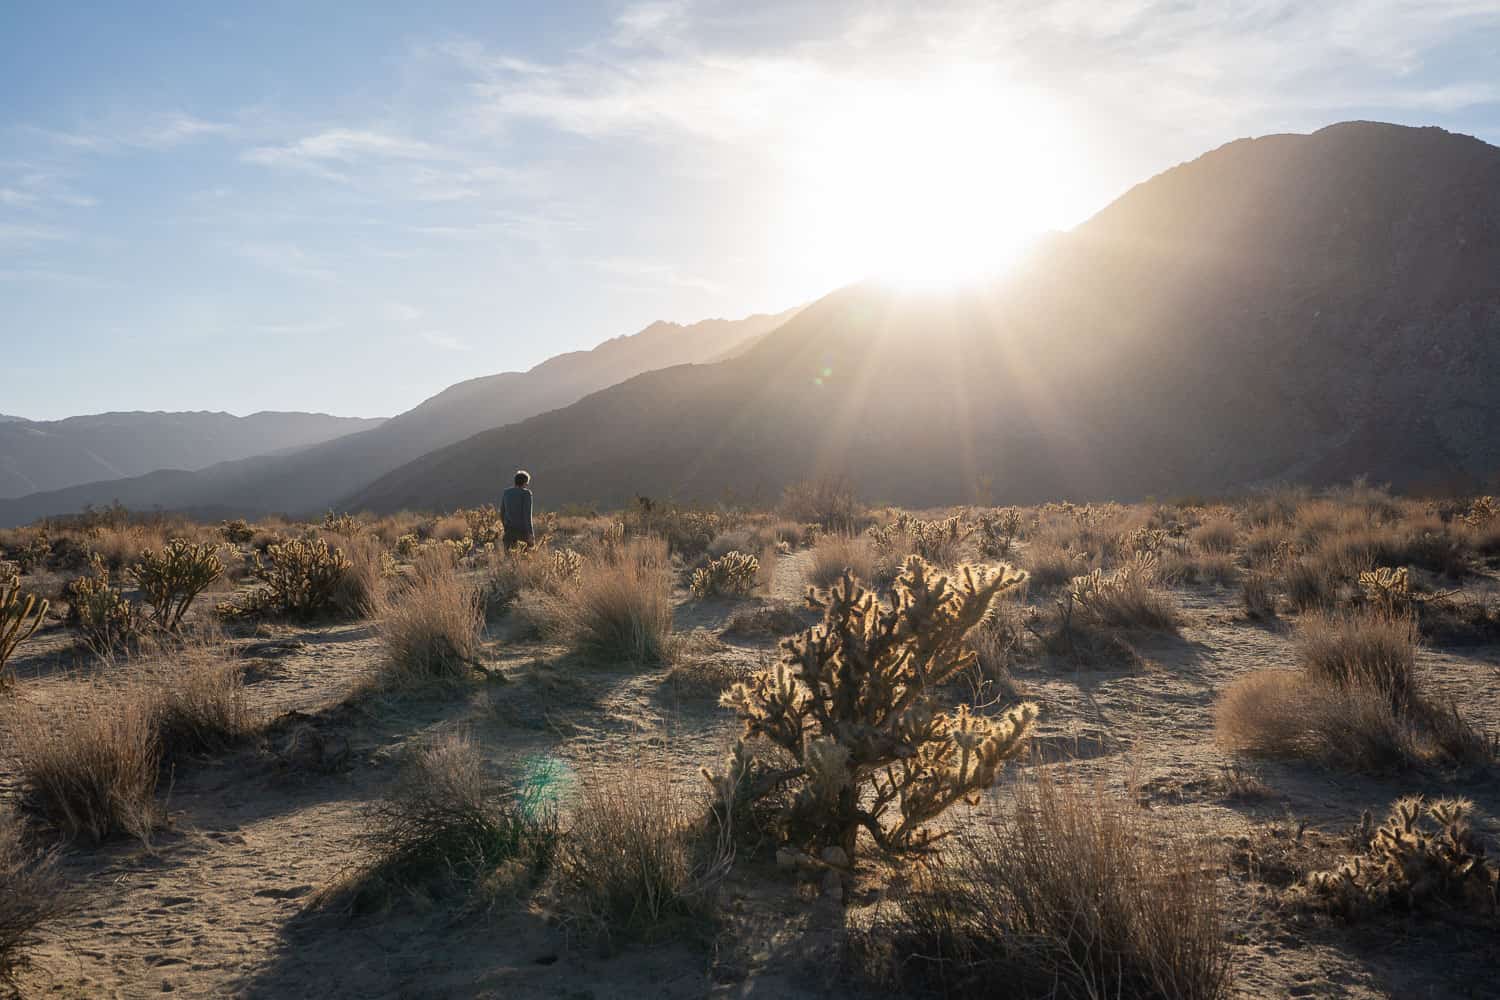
x: 522, y: 477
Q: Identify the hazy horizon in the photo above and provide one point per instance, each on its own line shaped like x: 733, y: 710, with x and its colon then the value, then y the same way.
x: 296, y: 210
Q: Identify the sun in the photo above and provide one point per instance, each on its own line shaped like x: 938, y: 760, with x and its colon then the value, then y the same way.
x: 932, y: 182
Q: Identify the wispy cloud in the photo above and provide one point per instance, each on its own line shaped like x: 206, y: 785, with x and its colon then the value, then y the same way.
x: 442, y: 341
x: 151, y: 131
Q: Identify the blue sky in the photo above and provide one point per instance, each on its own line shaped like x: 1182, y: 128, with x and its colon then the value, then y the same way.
x: 348, y: 207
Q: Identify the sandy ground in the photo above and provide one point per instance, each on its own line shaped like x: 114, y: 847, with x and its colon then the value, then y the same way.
x: 214, y: 906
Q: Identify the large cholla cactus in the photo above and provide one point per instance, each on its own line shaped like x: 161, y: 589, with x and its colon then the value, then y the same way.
x: 172, y: 578
x: 303, y: 576
x: 19, y: 620
x: 852, y: 702
x: 731, y: 573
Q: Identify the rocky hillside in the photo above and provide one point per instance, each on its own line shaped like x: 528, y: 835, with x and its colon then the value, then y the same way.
x: 51, y: 454
x: 1302, y: 307
x: 316, y: 478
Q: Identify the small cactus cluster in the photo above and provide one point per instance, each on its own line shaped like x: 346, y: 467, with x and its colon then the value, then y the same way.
x: 100, y: 611
x: 172, y: 578
x: 1425, y: 856
x: 19, y: 620
x: 1387, y: 589
x: 1147, y: 541
x: 237, y: 531
x: 301, y: 577
x: 732, y: 573
x: 851, y: 702
x: 935, y: 541
x: 997, y: 531
x: 32, y: 555
x: 342, y: 524
x: 1482, y: 511
x: 688, y: 532
x: 484, y: 525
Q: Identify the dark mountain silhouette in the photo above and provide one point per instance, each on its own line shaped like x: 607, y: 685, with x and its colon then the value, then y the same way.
x: 50, y: 454
x: 1301, y: 307
x: 315, y: 478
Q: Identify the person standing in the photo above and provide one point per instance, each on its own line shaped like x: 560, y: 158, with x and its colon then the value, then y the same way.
x: 515, y: 512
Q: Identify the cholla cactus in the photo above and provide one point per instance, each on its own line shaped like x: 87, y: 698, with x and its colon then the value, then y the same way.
x: 1408, y: 864
x: 19, y: 620
x: 1482, y: 511
x: 731, y: 573
x: 172, y: 578
x: 997, y: 532
x: 106, y: 619
x: 1147, y: 541
x: 302, y: 577
x: 33, y: 555
x: 484, y: 525
x: 237, y: 531
x: 342, y: 524
x: 1388, y: 589
x: 407, y: 546
x: 851, y: 702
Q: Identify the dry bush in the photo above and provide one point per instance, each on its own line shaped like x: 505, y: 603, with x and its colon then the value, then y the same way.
x: 638, y: 863
x: 431, y: 626
x: 31, y: 895
x: 829, y: 502
x: 1217, y: 534
x: 1258, y: 595
x: 1049, y: 564
x: 1065, y: 893
x: 997, y: 642
x: 362, y: 584
x: 453, y: 528
x: 619, y: 611
x: 89, y: 770
x: 775, y: 618
x: 197, y: 700
x: 123, y: 547
x: 446, y: 822
x: 835, y: 554
x: 172, y: 577
x: 104, y: 618
x: 1125, y: 599
x: 1364, y: 648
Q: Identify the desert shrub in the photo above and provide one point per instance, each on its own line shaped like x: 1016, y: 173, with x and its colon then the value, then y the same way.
x: 431, y: 627
x: 1312, y: 583
x: 687, y: 531
x: 1215, y: 535
x: 1066, y: 893
x: 1258, y: 595
x: 31, y: 895
x: 996, y: 532
x: 619, y: 611
x: 1425, y: 856
x: 834, y: 555
x: 368, y: 571
x: 638, y: 863
x: 1266, y: 545
x: 30, y: 551
x: 106, y: 620
x: 19, y: 620
x: 851, y: 703
x: 1365, y: 648
x: 1125, y: 599
x: 172, y: 577
x: 1050, y: 564
x: 237, y: 531
x: 197, y: 701
x: 447, y: 823
x: 829, y: 502
x: 551, y: 572
x: 734, y: 573
x: 91, y: 770
x: 775, y: 618
x: 997, y: 642
x: 301, y: 577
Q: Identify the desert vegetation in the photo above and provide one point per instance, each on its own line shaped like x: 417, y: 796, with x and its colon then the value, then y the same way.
x: 1052, y: 747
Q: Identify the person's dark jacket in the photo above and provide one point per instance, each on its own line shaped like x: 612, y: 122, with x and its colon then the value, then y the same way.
x: 515, y: 512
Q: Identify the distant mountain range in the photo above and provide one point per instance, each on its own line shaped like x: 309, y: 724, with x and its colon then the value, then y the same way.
x: 1297, y: 307
x: 40, y: 455
x: 315, y: 478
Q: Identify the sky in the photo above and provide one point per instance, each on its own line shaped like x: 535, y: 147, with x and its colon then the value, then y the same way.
x: 347, y: 207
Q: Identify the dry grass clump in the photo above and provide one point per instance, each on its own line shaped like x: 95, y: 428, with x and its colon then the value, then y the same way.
x: 1049, y: 564
x: 446, y: 823
x: 369, y: 567
x: 638, y: 863
x: 1125, y: 599
x: 829, y: 502
x: 1217, y: 534
x: 1361, y: 648
x: 1355, y: 704
x: 89, y: 770
x: 776, y: 618
x: 620, y: 610
x: 1258, y: 595
x: 431, y: 625
x: 197, y: 699
x: 31, y: 895
x: 1065, y: 893
x: 834, y: 554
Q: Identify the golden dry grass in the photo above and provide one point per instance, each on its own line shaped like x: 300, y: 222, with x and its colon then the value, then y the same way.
x: 31, y: 895
x: 430, y: 625
x: 836, y: 553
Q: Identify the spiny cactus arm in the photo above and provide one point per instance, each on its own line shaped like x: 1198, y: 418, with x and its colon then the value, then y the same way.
x: 18, y: 620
